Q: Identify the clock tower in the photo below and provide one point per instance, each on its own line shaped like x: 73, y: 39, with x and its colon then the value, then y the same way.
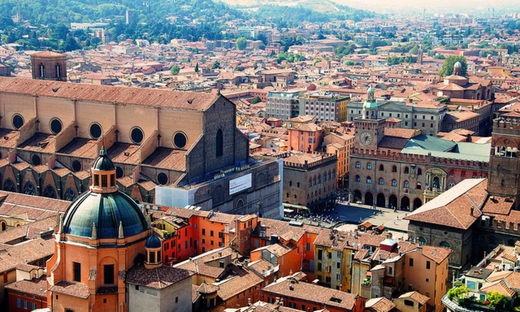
x: 369, y: 127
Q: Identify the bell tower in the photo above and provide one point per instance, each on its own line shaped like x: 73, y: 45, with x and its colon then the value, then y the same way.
x: 49, y: 65
x: 504, y: 162
x: 369, y: 127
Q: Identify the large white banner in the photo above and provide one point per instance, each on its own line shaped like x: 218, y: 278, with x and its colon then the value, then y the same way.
x: 240, y: 184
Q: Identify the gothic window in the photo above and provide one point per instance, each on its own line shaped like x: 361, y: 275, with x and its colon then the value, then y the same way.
x: 394, y: 168
x: 419, y: 171
x: 9, y: 185
x: 42, y: 71
x: 358, y: 164
x: 381, y: 167
x: 369, y: 180
x: 58, y: 70
x: 381, y: 181
x: 358, y: 179
x: 422, y: 240
x: 405, y: 184
x: 418, y: 185
x: 394, y: 182
x: 49, y: 192
x: 219, y: 143
x: 369, y: 166
x: 406, y: 170
x: 70, y: 194
x: 29, y: 189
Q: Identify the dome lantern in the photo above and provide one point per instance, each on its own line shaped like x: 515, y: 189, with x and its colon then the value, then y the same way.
x: 103, y: 174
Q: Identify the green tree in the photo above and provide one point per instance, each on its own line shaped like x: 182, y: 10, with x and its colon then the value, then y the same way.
x: 241, y: 43
x: 497, y: 299
x: 449, y: 62
x: 349, y: 63
x: 215, y: 65
x: 197, y: 67
x: 457, y: 293
x: 175, y: 69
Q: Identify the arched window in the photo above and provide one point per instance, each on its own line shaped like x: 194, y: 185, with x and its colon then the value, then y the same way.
x: 42, y: 71
x: 406, y: 170
x: 394, y: 182
x: 405, y: 184
x: 445, y: 244
x: 219, y: 144
x: 381, y: 167
x: 358, y: 164
x: 419, y: 171
x: 381, y: 181
x: 369, y: 180
x: 358, y: 179
x: 422, y: 240
x: 369, y: 166
x: 58, y: 70
x: 418, y: 185
x: 394, y: 168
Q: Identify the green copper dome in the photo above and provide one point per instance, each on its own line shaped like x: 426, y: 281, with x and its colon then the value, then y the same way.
x: 112, y: 213
x: 103, y: 162
x: 106, y: 211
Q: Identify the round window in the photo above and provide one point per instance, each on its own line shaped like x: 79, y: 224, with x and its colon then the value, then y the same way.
x: 179, y: 139
x: 56, y: 126
x: 17, y: 121
x: 95, y: 131
x: 137, y: 135
x: 36, y: 160
x: 162, y: 178
x: 76, y: 165
x: 119, y: 172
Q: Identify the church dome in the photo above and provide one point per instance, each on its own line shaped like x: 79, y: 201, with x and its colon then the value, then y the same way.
x: 104, y: 211
x: 103, y: 162
x: 107, y: 211
x: 153, y: 242
x: 457, y: 65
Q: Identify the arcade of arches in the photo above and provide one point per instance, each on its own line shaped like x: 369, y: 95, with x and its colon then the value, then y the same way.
x: 380, y: 200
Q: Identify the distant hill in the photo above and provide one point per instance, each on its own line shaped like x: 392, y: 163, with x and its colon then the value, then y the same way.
x: 293, y: 12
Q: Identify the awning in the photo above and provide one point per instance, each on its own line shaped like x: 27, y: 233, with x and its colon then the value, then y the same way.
x: 293, y: 206
x: 388, y: 280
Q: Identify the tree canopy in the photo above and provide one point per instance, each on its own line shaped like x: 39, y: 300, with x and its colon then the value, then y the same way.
x: 175, y: 69
x: 241, y: 43
x: 449, y: 62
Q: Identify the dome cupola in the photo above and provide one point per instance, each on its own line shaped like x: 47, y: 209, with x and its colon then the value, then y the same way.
x: 104, y: 212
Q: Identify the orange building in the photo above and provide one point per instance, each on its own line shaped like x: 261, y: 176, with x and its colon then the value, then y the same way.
x: 305, y: 137
x: 100, y: 235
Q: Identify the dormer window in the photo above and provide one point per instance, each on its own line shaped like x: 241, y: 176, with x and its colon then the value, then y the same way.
x: 96, y: 180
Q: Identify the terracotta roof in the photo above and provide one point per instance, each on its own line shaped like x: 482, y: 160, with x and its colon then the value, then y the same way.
x: 239, y: 283
x: 458, y: 207
x: 77, y: 290
x: 422, y: 299
x: 437, y: 254
x: 290, y: 288
x: 162, y: 98
x: 158, y: 278
x: 380, y: 304
x: 500, y: 287
x: 35, y: 286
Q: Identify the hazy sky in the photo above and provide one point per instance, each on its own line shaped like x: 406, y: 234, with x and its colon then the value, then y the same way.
x: 481, y: 7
